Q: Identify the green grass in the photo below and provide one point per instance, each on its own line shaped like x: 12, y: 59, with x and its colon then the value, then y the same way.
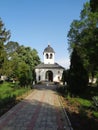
x: 84, y: 102
x: 9, y: 89
x: 9, y: 93
x: 95, y: 114
x: 81, y: 108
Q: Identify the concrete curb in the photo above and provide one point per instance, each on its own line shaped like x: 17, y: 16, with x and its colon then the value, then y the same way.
x: 65, y: 114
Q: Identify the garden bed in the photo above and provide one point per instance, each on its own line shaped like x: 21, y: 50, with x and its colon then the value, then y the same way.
x: 81, y: 117
x: 80, y: 111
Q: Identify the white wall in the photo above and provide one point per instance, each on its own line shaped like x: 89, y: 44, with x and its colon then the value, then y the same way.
x: 48, y: 61
x: 56, y: 73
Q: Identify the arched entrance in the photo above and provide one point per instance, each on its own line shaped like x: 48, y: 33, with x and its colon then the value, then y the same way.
x: 49, y: 76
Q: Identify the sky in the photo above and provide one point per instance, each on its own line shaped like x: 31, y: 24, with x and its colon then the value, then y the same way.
x: 37, y: 23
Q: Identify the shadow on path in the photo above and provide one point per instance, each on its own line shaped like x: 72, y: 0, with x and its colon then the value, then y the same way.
x: 39, y: 111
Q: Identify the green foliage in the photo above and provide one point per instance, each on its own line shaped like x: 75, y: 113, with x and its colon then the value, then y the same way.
x: 21, y: 63
x: 97, y: 78
x: 65, y: 77
x: 78, y: 77
x: 17, y: 62
x: 28, y: 60
x: 95, y: 114
x: 24, y: 74
x: 84, y: 102
x: 94, y: 5
x: 83, y: 37
x: 11, y: 47
x: 4, y: 36
x: 8, y: 94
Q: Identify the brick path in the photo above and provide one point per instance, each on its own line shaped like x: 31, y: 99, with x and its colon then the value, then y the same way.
x: 41, y: 110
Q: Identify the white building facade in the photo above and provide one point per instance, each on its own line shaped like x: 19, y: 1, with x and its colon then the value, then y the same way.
x: 49, y: 70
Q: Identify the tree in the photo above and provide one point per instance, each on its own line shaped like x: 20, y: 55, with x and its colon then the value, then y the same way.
x: 29, y: 57
x: 78, y: 77
x: 12, y: 59
x: 24, y: 74
x: 65, y: 76
x: 4, y: 36
x: 16, y: 61
x: 94, y: 9
x: 83, y: 37
x: 11, y: 47
x: 94, y: 5
x: 21, y: 62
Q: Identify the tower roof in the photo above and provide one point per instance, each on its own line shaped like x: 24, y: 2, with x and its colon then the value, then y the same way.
x: 49, y: 49
x: 49, y: 66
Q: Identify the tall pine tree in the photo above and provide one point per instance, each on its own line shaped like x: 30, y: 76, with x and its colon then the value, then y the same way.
x: 78, y: 77
x: 4, y: 36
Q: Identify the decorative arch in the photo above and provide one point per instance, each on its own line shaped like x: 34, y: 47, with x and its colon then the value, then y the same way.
x: 49, y: 75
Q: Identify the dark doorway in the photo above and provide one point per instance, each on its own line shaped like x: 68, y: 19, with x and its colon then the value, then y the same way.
x: 49, y: 76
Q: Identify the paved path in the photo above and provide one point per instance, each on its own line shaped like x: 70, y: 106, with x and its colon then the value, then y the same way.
x: 41, y: 110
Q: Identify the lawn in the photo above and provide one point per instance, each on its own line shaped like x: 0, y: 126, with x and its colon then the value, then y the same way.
x: 9, y: 95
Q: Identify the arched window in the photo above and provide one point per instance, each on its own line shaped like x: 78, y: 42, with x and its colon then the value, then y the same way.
x: 51, y: 56
x: 47, y: 56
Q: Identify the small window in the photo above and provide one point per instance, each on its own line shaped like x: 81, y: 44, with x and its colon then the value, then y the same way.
x: 47, y: 56
x: 58, y: 72
x: 51, y: 56
x: 58, y: 78
x: 39, y: 77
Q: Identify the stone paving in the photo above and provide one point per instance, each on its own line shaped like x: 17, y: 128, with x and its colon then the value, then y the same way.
x: 41, y: 110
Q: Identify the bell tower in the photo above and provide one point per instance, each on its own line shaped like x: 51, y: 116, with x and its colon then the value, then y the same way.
x: 49, y: 55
